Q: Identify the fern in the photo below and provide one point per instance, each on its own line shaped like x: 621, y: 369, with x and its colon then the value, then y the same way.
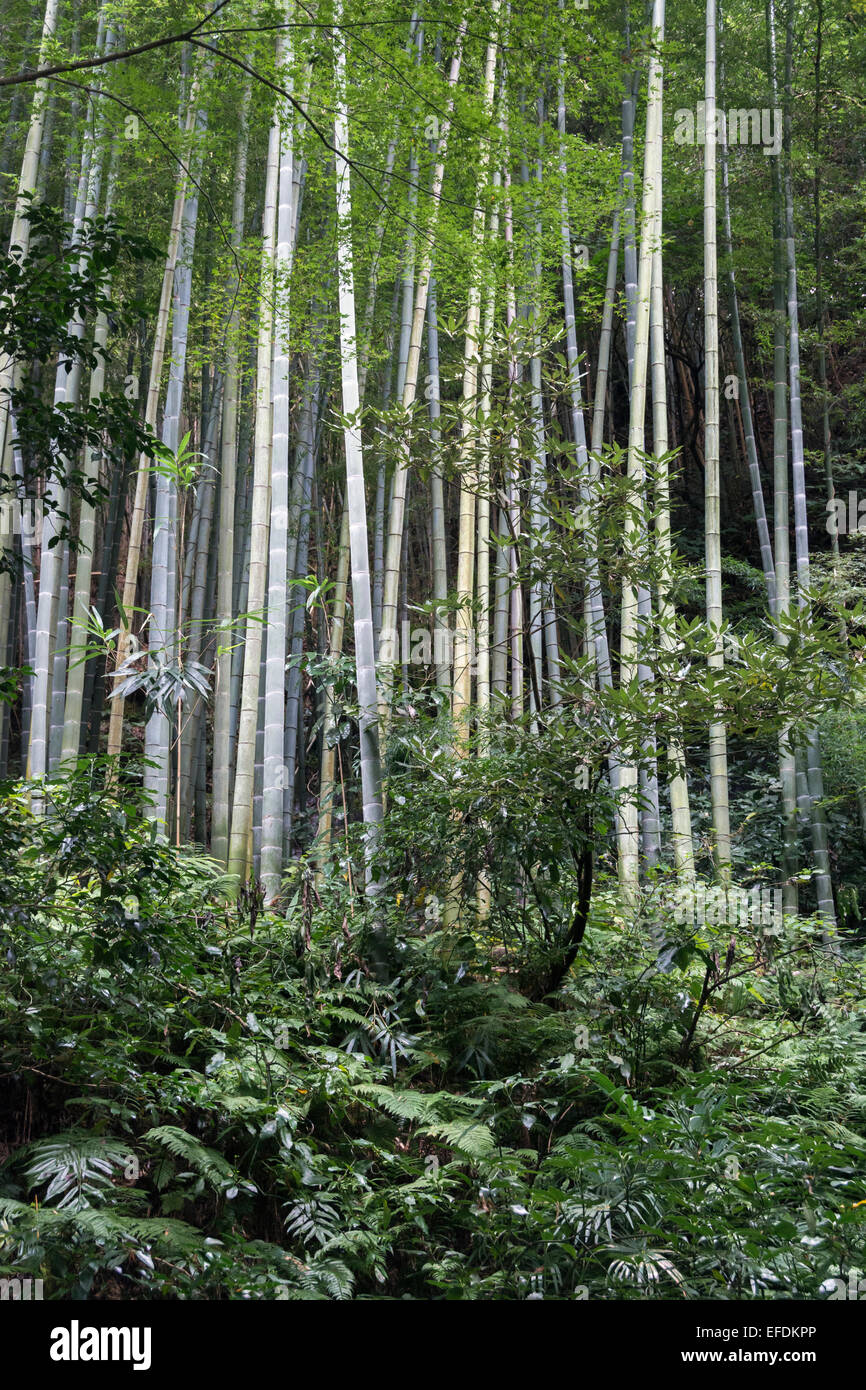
x: 234, y: 1104
x: 312, y: 1220
x: 429, y: 1110
x: 470, y: 1138
x: 76, y: 1168
x: 326, y: 1279
x: 171, y: 1238
x: 210, y: 1165
x: 93, y: 1226
x: 419, y: 1106
x: 403, y: 1105
x: 646, y: 1267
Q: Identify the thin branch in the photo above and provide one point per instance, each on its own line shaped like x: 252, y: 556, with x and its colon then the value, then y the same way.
x: 297, y: 106
x: 136, y: 111
x: 36, y: 74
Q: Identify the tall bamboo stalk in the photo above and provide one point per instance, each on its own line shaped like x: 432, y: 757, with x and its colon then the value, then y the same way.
x: 464, y: 628
x: 678, y: 786
x: 740, y: 360
x: 52, y: 607
x: 586, y: 467
x: 635, y: 522
x: 394, y: 545
x: 226, y: 543
x: 139, y: 505
x: 365, y: 656
x: 275, y: 666
x: 163, y: 638
x: 781, y: 513
x: 240, y: 846
x: 716, y: 660
x: 20, y: 234
x: 815, y: 778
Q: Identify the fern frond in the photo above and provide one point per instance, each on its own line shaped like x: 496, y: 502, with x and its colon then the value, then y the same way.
x: 421, y: 1107
x: 471, y: 1138
x: 327, y: 1279
x: 210, y: 1165
x: 403, y: 1105
x: 76, y: 1167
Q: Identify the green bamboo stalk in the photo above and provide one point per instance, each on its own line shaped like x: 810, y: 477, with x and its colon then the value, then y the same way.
x: 275, y: 667
x: 365, y: 656
x: 815, y: 779
x: 716, y: 660
x: 394, y: 544
x: 635, y: 524
x: 139, y: 506
x: 467, y: 466
x: 242, y: 803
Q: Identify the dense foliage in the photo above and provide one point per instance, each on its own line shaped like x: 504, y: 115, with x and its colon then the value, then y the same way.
x: 432, y: 681
x: 208, y: 1100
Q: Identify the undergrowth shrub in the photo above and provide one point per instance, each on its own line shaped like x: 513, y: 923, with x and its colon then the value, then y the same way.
x: 204, y: 1099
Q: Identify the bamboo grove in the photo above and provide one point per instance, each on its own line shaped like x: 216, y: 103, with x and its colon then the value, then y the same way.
x: 483, y: 371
